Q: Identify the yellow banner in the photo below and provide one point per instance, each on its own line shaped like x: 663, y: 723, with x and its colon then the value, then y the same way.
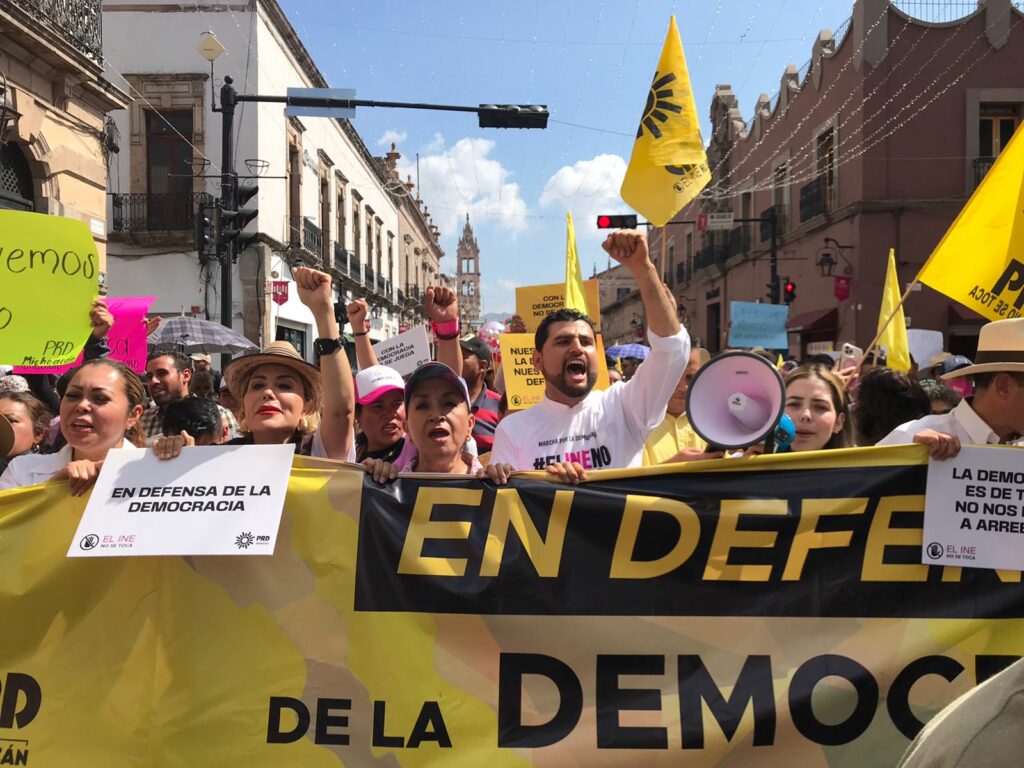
x: 524, y: 384
x: 770, y: 612
x: 49, y: 275
x: 535, y: 302
x: 980, y: 260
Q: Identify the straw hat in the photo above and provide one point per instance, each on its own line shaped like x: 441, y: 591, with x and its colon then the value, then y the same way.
x: 238, y: 371
x: 6, y: 436
x: 1000, y: 349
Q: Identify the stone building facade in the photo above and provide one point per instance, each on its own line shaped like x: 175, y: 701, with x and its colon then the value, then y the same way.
x: 876, y: 143
x: 467, y: 276
x: 54, y: 156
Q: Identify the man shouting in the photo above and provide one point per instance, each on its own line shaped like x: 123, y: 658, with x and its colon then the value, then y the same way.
x: 575, y: 428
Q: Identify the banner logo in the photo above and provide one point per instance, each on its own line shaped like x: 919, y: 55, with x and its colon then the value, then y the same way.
x: 934, y: 550
x: 18, y: 689
x: 89, y: 541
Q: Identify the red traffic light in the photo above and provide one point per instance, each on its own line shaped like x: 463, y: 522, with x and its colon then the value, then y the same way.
x: 789, y: 287
x: 616, y: 221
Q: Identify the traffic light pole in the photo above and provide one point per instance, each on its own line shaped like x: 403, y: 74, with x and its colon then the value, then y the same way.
x: 226, y: 251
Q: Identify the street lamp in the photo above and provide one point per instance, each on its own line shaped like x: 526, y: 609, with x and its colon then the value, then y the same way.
x: 376, y: 311
x: 825, y: 262
x: 8, y: 114
x: 848, y: 269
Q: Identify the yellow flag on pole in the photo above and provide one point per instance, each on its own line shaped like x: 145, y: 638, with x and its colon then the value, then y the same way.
x: 980, y: 260
x: 575, y: 297
x: 669, y: 166
x: 894, y: 337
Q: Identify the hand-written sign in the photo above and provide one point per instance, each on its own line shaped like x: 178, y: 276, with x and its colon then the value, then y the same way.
x: 49, y: 275
x: 974, y: 509
x: 217, y: 500
x: 758, y: 325
x: 535, y: 302
x: 405, y: 352
x: 126, y: 338
x: 524, y: 384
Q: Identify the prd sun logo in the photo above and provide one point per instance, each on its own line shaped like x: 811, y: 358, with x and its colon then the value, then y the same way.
x: 245, y: 540
x: 657, y: 101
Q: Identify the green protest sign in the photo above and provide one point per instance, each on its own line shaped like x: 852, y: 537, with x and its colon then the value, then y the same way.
x: 48, y: 279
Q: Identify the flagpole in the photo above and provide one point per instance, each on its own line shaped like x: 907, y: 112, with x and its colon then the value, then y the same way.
x: 889, y: 319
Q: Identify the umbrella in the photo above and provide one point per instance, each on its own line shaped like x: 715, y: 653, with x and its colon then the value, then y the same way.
x: 195, y: 335
x: 639, y: 351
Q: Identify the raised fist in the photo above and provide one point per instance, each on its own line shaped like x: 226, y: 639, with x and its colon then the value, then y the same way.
x: 441, y: 304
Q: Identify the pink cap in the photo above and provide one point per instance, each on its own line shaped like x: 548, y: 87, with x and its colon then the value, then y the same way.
x: 375, y: 381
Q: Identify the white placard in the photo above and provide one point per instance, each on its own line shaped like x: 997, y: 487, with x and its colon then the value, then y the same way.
x: 974, y: 509
x: 216, y: 500
x: 405, y: 352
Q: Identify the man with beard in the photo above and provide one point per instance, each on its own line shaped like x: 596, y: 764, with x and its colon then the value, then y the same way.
x: 168, y: 373
x: 576, y: 428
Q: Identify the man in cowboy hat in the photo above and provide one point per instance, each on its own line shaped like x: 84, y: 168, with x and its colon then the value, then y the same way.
x: 996, y: 412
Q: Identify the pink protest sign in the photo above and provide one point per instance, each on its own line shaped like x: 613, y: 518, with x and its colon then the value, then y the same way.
x: 127, y: 337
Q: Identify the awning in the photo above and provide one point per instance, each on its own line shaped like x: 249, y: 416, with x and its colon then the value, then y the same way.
x: 815, y: 320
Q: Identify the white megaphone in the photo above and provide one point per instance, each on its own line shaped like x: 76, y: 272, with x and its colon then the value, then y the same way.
x: 736, y: 400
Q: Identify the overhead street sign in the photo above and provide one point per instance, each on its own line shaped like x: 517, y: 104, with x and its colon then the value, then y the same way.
x: 720, y: 220
x: 308, y: 94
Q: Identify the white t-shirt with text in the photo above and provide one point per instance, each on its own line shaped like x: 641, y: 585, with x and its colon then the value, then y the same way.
x: 605, y: 430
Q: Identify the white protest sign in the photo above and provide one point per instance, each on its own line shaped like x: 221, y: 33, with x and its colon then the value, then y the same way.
x: 217, y: 500
x: 974, y: 509
x: 405, y: 352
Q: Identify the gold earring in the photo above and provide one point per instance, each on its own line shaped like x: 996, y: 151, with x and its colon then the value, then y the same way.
x: 304, y: 423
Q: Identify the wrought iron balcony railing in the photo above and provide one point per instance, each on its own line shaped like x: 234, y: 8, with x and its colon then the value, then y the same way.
x: 382, y: 285
x: 981, y: 167
x: 80, y: 21
x: 311, y: 238
x: 813, y: 200
x: 368, y: 277
x: 155, y: 211
x: 739, y: 240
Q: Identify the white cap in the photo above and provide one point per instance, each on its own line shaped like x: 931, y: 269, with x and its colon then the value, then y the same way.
x: 375, y: 381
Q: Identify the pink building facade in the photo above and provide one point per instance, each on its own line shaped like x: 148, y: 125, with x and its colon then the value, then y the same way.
x: 875, y: 144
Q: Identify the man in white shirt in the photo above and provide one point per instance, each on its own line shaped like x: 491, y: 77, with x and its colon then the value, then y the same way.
x: 576, y: 428
x: 996, y: 412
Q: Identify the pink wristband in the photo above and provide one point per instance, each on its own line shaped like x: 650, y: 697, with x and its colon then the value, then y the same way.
x: 446, y: 331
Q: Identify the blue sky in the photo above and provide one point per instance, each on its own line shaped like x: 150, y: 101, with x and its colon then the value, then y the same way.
x: 590, y: 61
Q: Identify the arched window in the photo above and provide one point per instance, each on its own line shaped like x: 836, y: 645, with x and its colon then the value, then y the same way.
x: 15, y: 179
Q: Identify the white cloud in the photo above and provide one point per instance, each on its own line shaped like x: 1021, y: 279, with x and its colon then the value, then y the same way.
x: 392, y: 137
x: 462, y: 179
x: 587, y: 188
x: 436, y: 144
x: 498, y: 296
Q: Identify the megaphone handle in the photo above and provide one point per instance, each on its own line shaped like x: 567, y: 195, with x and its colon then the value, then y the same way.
x: 769, y: 442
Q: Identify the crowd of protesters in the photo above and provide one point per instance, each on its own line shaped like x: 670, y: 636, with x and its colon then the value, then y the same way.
x: 451, y: 416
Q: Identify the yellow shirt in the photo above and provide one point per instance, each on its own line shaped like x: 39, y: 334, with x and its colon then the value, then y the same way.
x: 669, y: 438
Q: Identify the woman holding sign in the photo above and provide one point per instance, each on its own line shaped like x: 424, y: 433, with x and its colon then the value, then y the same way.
x: 284, y: 399
x: 100, y: 410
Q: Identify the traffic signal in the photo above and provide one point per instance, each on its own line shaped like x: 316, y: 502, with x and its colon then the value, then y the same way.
x: 234, y: 221
x: 789, y: 291
x: 617, y: 221
x: 207, y: 226
x: 513, y: 115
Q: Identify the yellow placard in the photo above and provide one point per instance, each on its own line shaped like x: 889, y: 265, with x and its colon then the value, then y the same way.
x: 980, y: 260
x: 49, y: 275
x: 535, y: 302
x: 524, y: 384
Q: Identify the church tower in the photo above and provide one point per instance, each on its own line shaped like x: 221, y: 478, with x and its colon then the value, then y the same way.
x: 468, y: 273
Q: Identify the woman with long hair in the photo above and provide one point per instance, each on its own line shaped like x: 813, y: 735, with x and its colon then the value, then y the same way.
x: 816, y: 402
x: 100, y: 410
x: 27, y: 422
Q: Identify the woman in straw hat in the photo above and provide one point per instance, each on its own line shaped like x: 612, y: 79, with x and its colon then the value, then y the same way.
x: 996, y: 412
x: 284, y: 399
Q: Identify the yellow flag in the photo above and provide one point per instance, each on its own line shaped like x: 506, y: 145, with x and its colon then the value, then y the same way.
x: 980, y: 260
x: 575, y: 298
x: 668, y: 167
x: 894, y: 338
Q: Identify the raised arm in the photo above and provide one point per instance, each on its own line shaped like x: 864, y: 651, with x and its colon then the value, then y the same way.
x: 442, y: 307
x: 357, y: 313
x: 629, y: 248
x: 336, y: 419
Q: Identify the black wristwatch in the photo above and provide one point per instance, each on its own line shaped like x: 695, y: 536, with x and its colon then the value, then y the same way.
x: 325, y: 347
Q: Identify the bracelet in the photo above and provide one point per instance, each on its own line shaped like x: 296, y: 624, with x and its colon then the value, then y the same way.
x: 360, y: 334
x: 446, y: 331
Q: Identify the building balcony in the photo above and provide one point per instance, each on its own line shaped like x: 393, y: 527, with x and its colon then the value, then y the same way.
x: 156, y: 211
x: 813, y: 199
x: 75, y: 22
x: 368, y: 277
x: 739, y: 240
x: 981, y: 167
x: 413, y: 292
x: 312, y: 239
x: 340, y: 258
x: 382, y: 285
x: 710, y: 255
x: 780, y: 222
